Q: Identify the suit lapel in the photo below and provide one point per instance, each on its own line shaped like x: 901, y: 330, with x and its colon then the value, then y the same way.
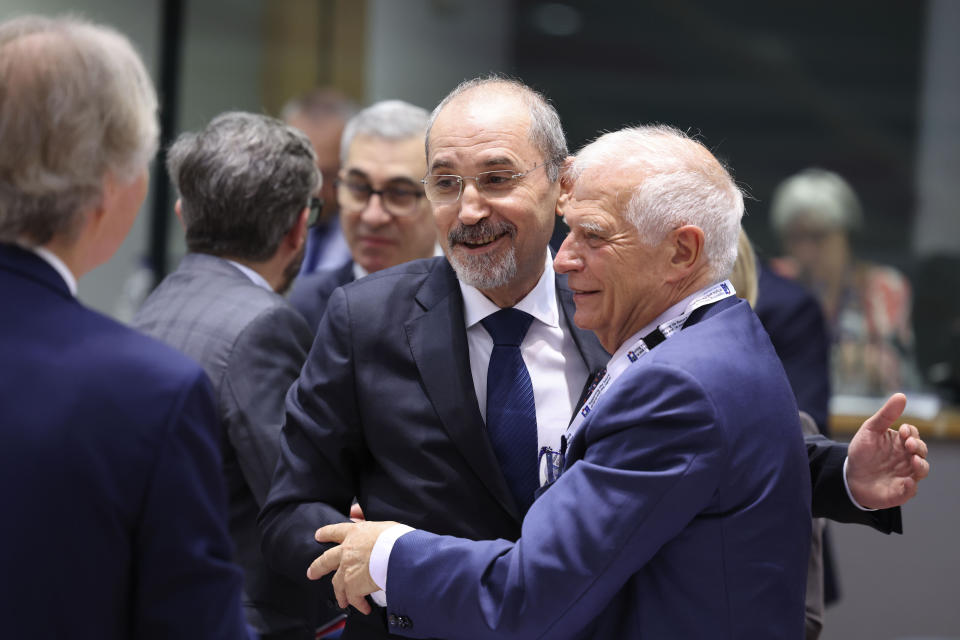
x: 438, y: 342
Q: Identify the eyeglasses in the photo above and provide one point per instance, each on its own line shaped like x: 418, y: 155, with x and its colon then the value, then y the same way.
x: 445, y: 189
x: 316, y: 205
x: 397, y: 199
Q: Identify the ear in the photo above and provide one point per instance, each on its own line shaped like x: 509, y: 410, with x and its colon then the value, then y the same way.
x: 566, y: 185
x: 687, y: 249
x: 298, y: 233
x: 178, y: 209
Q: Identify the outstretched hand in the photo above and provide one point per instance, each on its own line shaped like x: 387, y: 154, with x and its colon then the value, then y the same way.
x: 884, y: 466
x: 350, y: 559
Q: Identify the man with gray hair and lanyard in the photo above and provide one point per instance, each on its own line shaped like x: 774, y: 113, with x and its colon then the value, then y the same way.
x: 246, y: 184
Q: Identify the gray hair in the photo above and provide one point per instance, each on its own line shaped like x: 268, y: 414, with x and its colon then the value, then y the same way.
x: 76, y: 104
x: 389, y: 119
x: 546, y: 132
x: 678, y: 182
x: 818, y: 195
x: 243, y: 182
x: 318, y: 104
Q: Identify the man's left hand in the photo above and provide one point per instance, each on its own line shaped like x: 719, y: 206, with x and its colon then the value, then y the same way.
x: 350, y: 559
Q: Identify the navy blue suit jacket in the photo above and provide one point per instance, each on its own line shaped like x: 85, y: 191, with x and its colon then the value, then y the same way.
x: 683, y: 512
x: 114, y: 522
x: 312, y: 291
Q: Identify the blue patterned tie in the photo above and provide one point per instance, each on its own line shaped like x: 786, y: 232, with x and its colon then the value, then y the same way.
x: 511, y: 414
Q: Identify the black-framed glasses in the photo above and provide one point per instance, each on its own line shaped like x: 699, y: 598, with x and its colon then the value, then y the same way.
x: 316, y: 206
x: 447, y: 188
x: 399, y: 199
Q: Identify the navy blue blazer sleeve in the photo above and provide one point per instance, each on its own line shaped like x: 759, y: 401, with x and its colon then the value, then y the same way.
x: 320, y: 446
x: 187, y: 585
x: 653, y: 464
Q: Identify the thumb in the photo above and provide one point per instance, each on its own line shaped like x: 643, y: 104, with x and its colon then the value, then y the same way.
x: 889, y: 413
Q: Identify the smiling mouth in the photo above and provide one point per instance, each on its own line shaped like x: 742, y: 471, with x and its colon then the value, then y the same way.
x: 482, y: 241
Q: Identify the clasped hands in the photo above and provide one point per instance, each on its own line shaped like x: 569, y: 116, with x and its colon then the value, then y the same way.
x: 884, y: 467
x: 350, y: 559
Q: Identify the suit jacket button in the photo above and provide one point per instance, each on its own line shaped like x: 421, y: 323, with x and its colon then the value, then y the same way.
x: 392, y: 620
x: 406, y: 623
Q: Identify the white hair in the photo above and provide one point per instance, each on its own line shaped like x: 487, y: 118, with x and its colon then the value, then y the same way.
x: 77, y: 104
x: 677, y: 182
x: 817, y: 195
x: 389, y: 119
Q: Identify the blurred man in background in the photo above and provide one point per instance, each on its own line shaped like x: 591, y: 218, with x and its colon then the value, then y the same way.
x: 321, y: 114
x: 114, y: 519
x: 383, y: 212
x: 246, y: 185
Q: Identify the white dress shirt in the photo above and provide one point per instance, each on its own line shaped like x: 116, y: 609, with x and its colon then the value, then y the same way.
x: 255, y: 277
x: 552, y: 359
x: 58, y: 265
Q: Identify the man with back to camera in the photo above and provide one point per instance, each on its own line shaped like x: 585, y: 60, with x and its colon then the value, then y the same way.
x: 321, y: 114
x: 114, y: 506
x: 385, y: 217
x: 392, y: 405
x: 246, y: 185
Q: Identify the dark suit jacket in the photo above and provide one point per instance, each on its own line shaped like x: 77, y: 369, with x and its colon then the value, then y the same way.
x: 385, y: 410
x: 114, y: 508
x: 683, y: 511
x: 252, y: 344
x: 312, y: 291
x: 794, y: 321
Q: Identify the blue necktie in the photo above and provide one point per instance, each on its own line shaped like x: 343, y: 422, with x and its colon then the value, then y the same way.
x: 511, y: 414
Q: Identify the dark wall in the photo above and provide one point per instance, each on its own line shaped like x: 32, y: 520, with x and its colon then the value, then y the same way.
x: 771, y: 87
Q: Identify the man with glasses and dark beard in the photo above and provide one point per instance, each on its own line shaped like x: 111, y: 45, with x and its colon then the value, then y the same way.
x: 246, y: 185
x: 385, y: 217
x: 434, y: 387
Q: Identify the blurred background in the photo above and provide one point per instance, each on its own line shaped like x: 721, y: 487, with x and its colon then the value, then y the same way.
x: 869, y: 90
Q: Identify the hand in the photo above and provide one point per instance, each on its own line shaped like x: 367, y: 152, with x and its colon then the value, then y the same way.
x: 351, y: 560
x: 356, y: 513
x: 883, y: 465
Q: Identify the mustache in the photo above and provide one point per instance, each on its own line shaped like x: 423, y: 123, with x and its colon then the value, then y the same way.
x: 480, y: 232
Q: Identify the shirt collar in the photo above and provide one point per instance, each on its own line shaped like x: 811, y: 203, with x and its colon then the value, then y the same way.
x: 58, y: 265
x: 255, y: 277
x: 541, y: 302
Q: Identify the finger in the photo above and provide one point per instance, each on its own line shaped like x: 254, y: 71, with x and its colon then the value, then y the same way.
x: 889, y: 413
x: 339, y: 590
x: 333, y: 532
x: 916, y: 446
x: 329, y: 561
x: 356, y: 513
x: 360, y: 604
x: 920, y: 467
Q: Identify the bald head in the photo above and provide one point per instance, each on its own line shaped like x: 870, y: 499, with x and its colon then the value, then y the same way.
x: 545, y: 130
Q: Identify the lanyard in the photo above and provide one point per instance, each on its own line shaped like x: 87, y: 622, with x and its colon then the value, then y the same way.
x: 642, y: 346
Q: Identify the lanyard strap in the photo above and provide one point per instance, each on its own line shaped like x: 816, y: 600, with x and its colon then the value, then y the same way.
x: 642, y: 346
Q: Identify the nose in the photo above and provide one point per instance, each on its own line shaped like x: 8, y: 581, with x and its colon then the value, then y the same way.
x: 373, y: 214
x: 473, y: 206
x: 567, y: 258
